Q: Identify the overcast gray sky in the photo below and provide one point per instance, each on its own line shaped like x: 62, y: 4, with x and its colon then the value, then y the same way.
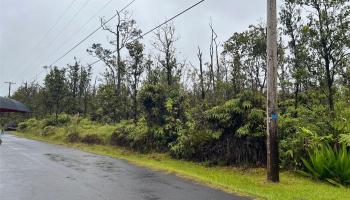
x: 23, y: 24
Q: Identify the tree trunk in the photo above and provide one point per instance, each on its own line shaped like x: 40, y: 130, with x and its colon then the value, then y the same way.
x: 119, y: 68
x: 200, y: 54
x: 168, y: 66
x: 329, y: 87
x: 135, y: 96
x: 212, y: 80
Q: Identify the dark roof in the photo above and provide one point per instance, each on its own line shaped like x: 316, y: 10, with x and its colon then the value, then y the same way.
x: 10, y: 105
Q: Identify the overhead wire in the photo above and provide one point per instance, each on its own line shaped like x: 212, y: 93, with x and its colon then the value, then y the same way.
x: 156, y: 27
x: 84, y: 39
x: 83, y: 26
x: 87, y: 37
x: 47, y: 33
x: 140, y: 37
x: 76, y: 14
x: 69, y: 22
x: 55, y: 24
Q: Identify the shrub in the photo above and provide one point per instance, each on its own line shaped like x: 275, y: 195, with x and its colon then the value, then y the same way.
x: 345, y: 139
x: 303, y: 129
x: 50, y: 121
x: 91, y: 139
x: 153, y: 100
x: 60, y: 120
x: 140, y: 137
x: 73, y: 137
x: 296, y: 145
x: 121, y: 135
x: 244, y: 116
x: 22, y: 126
x: 164, y: 110
x: 229, y: 134
x: 30, y: 123
x: 48, y: 130
x: 329, y: 164
x: 134, y: 135
x: 192, y: 141
x: 341, y: 123
x: 63, y: 119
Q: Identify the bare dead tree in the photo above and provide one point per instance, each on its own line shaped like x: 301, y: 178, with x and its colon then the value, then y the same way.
x: 214, y: 40
x: 211, y: 52
x: 200, y: 59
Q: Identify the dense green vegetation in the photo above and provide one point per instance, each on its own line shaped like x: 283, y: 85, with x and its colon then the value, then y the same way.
x: 213, y: 113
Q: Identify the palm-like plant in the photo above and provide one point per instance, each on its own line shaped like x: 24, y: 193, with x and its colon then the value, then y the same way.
x: 329, y: 164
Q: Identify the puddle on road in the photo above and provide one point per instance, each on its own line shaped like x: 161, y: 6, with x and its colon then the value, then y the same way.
x: 55, y: 157
x: 68, y: 162
x: 90, y: 156
x: 107, y: 166
x: 87, y: 162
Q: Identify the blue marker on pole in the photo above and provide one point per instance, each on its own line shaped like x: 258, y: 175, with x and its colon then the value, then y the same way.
x: 274, y: 116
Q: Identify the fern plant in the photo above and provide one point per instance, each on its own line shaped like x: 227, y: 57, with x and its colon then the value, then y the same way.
x: 345, y: 139
x: 244, y: 116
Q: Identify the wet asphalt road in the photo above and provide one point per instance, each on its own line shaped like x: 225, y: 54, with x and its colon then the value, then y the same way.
x: 31, y: 170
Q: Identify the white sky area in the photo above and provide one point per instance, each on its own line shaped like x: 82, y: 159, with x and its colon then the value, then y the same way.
x: 23, y: 24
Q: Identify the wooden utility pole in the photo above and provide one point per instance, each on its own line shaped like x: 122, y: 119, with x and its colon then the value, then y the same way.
x: 10, y: 84
x: 272, y: 116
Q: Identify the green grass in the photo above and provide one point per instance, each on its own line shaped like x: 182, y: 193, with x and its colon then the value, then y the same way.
x: 246, y: 182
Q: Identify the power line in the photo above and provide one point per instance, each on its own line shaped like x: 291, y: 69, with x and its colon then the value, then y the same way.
x: 83, y: 40
x: 69, y: 22
x: 87, y: 37
x: 155, y: 28
x: 55, y: 24
x: 62, y: 30
x: 82, y: 27
x: 167, y: 21
x: 141, y: 36
x: 58, y: 20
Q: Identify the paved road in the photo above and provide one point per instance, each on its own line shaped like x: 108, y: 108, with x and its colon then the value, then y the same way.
x: 31, y: 170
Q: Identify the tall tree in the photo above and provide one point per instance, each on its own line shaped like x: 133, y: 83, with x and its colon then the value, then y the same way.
x: 73, y: 86
x: 84, y: 88
x: 292, y: 27
x: 164, y: 42
x: 135, y: 70
x: 30, y: 95
x: 328, y: 33
x: 247, y: 53
x: 124, y: 32
x: 56, y: 88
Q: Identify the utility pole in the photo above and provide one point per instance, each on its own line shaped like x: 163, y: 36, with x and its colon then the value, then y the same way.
x: 10, y: 84
x: 272, y: 116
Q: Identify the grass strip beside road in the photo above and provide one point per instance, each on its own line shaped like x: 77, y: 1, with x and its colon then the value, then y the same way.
x: 246, y: 182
